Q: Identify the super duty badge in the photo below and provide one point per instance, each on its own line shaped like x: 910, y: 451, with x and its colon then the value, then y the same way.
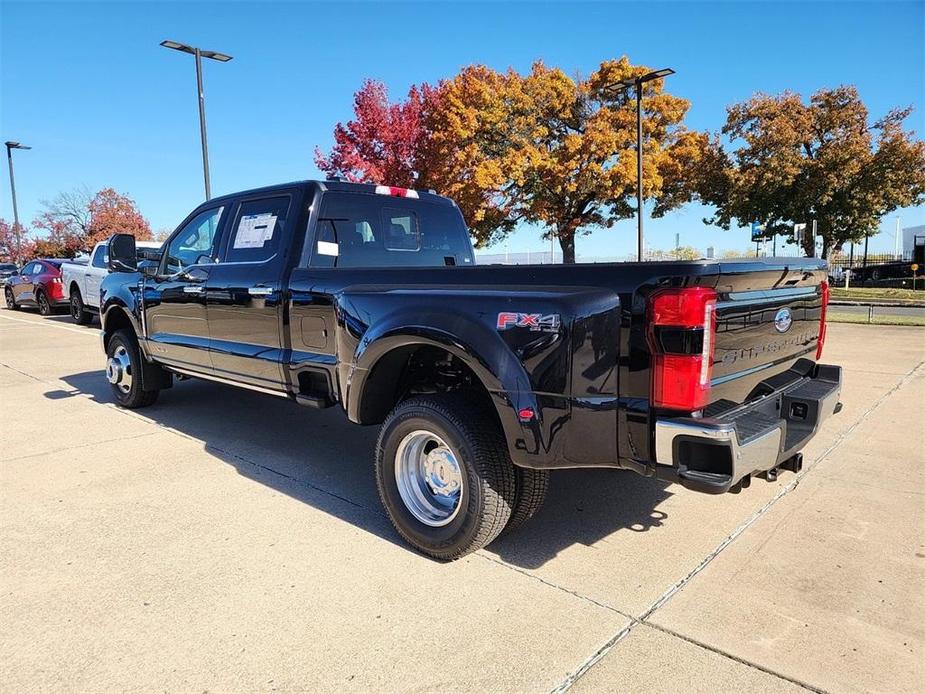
x: 534, y: 321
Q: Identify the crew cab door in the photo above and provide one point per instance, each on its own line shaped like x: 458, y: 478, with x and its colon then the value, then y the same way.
x: 175, y: 300
x: 94, y: 273
x: 245, y: 291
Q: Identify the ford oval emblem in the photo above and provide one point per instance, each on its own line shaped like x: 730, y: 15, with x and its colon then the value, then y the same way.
x: 783, y: 320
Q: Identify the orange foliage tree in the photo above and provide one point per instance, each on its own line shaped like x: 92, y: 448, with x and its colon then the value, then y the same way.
x: 114, y: 213
x: 543, y: 148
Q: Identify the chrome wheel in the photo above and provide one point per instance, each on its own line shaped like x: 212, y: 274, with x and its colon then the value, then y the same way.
x: 8, y: 295
x: 119, y: 369
x: 76, y: 308
x: 429, y: 478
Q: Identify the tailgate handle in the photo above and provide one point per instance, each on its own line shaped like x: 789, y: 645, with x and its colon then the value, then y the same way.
x: 259, y: 291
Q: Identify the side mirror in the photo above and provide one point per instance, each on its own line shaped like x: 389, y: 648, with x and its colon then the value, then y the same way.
x: 122, y: 254
x: 148, y: 268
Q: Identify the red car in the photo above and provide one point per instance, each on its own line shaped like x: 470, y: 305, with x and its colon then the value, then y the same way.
x: 37, y: 284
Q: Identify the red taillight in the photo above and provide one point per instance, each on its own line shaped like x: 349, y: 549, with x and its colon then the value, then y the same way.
x: 824, y: 286
x: 681, y: 379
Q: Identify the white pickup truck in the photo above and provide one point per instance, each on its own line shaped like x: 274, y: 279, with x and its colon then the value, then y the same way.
x: 82, y: 277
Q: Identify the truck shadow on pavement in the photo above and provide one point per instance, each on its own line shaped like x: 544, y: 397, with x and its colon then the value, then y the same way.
x: 321, y: 459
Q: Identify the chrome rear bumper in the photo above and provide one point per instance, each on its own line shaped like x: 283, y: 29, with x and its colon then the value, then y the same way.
x: 716, y: 453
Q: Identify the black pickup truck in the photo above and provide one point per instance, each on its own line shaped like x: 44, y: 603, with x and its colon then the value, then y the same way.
x: 483, y: 378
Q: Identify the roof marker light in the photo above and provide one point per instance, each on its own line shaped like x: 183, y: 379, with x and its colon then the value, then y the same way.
x: 396, y: 192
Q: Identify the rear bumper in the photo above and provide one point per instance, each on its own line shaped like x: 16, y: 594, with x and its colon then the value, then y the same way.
x: 714, y: 454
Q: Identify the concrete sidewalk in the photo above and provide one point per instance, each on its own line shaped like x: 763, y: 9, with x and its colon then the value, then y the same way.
x: 226, y: 541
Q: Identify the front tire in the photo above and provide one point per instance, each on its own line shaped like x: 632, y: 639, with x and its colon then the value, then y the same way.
x: 10, y: 300
x: 123, y: 371
x: 78, y: 311
x: 444, y: 475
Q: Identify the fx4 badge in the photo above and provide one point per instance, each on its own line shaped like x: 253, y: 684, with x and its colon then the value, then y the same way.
x: 533, y: 321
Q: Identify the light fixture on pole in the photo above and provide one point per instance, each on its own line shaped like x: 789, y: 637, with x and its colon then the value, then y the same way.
x: 199, y: 54
x: 17, y: 230
x: 637, y: 82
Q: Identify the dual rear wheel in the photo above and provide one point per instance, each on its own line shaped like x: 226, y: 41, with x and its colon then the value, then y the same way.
x: 445, y: 477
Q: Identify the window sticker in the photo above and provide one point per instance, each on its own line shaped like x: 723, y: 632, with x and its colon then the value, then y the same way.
x: 327, y: 248
x: 254, y: 230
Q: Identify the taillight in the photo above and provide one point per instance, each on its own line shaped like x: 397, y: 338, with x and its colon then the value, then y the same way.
x: 682, y: 323
x: 824, y: 286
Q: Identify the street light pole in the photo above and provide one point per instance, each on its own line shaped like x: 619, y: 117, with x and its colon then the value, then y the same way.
x: 639, y: 236
x: 199, y: 54
x: 202, y: 125
x: 637, y: 82
x: 17, y: 230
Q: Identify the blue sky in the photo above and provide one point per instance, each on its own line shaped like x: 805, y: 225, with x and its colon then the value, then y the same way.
x: 102, y: 104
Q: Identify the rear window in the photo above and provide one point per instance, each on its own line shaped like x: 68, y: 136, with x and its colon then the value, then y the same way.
x: 360, y: 230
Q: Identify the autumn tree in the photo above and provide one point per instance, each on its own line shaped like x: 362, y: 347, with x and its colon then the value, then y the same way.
x: 382, y: 144
x: 789, y: 162
x: 114, y: 213
x: 542, y: 148
x: 9, y: 248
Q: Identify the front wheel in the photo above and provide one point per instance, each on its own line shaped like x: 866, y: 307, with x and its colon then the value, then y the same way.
x: 444, y: 475
x: 10, y: 300
x: 78, y: 311
x: 123, y: 371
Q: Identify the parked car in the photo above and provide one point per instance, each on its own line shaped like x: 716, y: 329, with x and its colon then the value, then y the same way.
x: 7, y: 270
x: 81, y: 278
x: 482, y: 378
x: 38, y: 284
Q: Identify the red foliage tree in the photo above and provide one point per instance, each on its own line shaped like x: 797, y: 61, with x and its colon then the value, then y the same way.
x: 114, y: 213
x: 7, y: 242
x: 383, y: 143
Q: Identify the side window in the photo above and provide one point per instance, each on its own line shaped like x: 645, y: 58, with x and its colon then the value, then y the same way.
x: 258, y: 227
x: 194, y: 243
x: 33, y: 268
x: 100, y: 257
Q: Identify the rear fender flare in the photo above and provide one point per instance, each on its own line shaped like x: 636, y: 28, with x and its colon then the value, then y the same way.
x: 482, y: 350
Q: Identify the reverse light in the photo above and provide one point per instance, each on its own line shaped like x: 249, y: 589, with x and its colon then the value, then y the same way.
x: 820, y: 343
x: 682, y: 323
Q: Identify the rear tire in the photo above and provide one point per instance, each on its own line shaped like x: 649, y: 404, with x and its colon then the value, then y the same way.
x: 78, y: 311
x: 10, y: 301
x: 463, y: 496
x: 123, y: 370
x: 41, y: 298
x: 532, y: 486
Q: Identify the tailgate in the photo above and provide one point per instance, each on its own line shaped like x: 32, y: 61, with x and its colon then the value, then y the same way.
x: 766, y: 319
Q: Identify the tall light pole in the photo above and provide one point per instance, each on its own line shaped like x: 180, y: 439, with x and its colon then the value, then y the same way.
x: 199, y: 54
x: 17, y: 230
x: 637, y: 82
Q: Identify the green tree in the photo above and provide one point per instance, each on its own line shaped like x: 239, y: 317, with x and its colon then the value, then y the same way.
x: 791, y: 162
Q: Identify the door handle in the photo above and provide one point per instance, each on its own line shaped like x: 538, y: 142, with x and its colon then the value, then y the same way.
x: 192, y: 290
x: 259, y: 291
